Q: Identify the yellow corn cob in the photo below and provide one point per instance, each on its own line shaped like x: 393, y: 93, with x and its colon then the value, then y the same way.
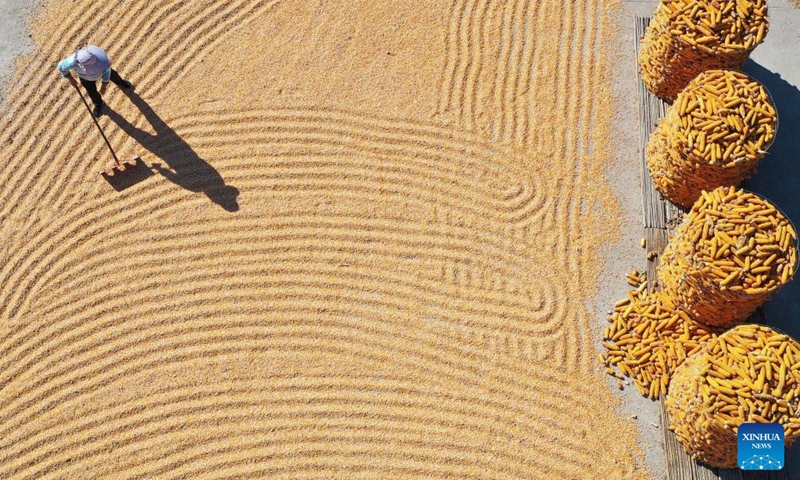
x: 686, y: 38
x: 727, y: 384
x: 731, y: 252
x: 724, y: 150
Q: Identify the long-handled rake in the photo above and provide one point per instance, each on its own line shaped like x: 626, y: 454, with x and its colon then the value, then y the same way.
x: 118, y: 167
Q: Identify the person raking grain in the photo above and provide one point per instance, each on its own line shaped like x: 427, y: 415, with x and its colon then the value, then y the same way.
x: 92, y: 64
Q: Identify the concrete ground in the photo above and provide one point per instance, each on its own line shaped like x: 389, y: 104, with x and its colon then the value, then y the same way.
x: 14, y: 39
x: 776, y: 64
x: 624, y: 176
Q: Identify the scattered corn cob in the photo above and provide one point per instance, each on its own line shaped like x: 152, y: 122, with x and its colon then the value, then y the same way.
x: 687, y: 37
x: 732, y: 251
x: 714, y: 135
x: 648, y: 338
x: 750, y: 374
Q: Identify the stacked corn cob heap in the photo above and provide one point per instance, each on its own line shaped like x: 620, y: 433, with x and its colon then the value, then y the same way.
x: 714, y: 135
x: 688, y: 37
x: 748, y: 374
x: 648, y: 338
x: 732, y: 251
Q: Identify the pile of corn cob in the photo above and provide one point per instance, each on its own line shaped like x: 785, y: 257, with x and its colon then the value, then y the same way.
x: 648, y: 338
x: 714, y: 135
x: 732, y: 251
x: 688, y: 37
x: 748, y: 374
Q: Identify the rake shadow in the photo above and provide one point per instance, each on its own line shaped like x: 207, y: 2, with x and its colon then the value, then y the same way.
x: 133, y: 174
x: 183, y: 166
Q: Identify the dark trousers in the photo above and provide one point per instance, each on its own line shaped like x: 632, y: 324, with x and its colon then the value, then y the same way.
x: 91, y: 87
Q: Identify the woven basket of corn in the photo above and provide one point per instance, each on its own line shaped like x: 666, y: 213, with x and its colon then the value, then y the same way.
x: 688, y: 37
x: 750, y: 374
x: 714, y: 135
x: 732, y: 251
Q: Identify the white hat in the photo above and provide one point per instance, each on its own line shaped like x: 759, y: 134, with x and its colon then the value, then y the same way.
x: 85, y: 57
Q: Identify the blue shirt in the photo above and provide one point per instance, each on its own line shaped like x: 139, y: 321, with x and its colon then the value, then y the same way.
x: 101, y: 68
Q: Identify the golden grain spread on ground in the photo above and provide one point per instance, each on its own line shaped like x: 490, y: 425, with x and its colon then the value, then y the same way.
x: 732, y: 251
x: 749, y: 374
x: 688, y: 37
x: 649, y: 338
x: 714, y: 135
x: 350, y: 261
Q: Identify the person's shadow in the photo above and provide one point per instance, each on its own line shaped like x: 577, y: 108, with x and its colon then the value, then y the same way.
x: 185, y: 167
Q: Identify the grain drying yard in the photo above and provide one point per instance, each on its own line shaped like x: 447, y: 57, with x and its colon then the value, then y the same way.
x: 373, y: 239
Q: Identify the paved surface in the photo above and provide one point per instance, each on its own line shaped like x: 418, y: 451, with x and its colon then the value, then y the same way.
x: 624, y: 176
x: 13, y: 37
x: 776, y: 64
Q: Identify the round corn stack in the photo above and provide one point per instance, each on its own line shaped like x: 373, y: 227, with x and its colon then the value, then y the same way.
x: 688, y: 37
x: 732, y: 251
x: 750, y: 374
x: 714, y: 135
x: 648, y: 338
